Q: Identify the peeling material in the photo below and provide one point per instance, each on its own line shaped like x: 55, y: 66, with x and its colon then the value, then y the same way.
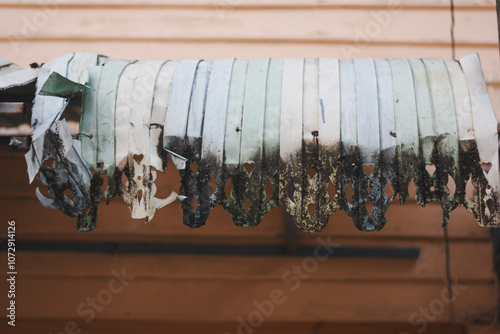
x: 132, y: 133
x: 14, y: 77
x: 57, y: 85
x: 200, y: 200
x: 244, y: 143
x: 62, y: 174
x: 486, y: 199
x: 314, y: 135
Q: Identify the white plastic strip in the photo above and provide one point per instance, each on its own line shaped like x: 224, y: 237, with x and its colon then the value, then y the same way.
x: 329, y: 99
x: 178, y: 111
x: 348, y: 107
x: 234, y: 116
x: 463, y: 108
x: 387, y: 121
x: 291, y: 109
x: 124, y: 102
x: 159, y: 111
x: 310, y: 103
x: 423, y: 99
x: 197, y: 109
x: 106, y: 101
x: 88, y: 124
x: 254, y: 107
x: 367, y: 110
x: 212, y: 152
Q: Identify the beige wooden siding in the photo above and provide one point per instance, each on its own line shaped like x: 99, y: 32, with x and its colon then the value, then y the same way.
x: 155, y: 29
x: 198, y: 293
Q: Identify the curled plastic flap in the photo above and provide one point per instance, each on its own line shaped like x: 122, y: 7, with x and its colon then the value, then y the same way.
x: 51, y: 138
x: 18, y: 78
x: 57, y: 85
x: 5, y: 63
x: 62, y: 176
x: 46, y: 109
x: 486, y: 180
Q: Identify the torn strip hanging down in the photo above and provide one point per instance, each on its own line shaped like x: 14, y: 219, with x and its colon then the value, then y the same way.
x: 312, y: 135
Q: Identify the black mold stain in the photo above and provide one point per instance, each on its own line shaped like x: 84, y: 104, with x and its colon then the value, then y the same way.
x: 326, y: 163
x: 162, y: 154
x: 88, y: 222
x: 470, y: 168
x: 384, y: 171
x: 336, y: 164
x: 249, y: 186
x: 61, y: 177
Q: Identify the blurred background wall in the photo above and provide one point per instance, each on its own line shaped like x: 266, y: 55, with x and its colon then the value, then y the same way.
x: 97, y: 282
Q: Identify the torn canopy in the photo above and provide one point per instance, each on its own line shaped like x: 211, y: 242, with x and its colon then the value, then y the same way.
x: 314, y: 135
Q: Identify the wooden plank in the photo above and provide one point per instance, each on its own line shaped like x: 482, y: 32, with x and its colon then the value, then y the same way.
x: 28, y: 326
x: 115, y: 224
x: 476, y: 329
x: 470, y: 262
x: 147, y: 298
x: 323, y: 26
x: 494, y: 93
x: 245, y: 4
x: 43, y: 51
x: 25, y: 52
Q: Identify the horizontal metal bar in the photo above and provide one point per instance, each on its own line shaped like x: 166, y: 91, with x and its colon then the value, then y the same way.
x: 250, y: 250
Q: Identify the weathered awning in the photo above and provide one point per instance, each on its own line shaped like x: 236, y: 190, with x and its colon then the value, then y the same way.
x: 302, y: 125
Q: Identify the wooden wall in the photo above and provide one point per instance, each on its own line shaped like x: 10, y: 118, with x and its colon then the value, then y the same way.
x: 207, y: 293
